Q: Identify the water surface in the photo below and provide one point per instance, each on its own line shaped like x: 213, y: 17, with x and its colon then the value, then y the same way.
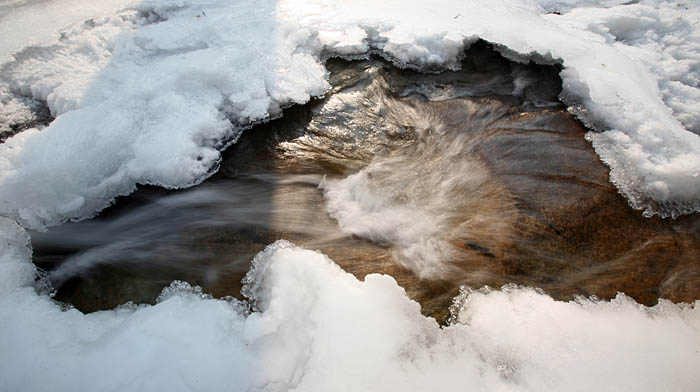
x: 476, y: 177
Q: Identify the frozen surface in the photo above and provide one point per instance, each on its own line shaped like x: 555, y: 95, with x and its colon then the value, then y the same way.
x: 39, y: 22
x: 152, y: 91
x: 317, y: 328
x: 149, y: 96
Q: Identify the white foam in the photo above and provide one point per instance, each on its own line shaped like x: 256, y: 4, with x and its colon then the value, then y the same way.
x: 318, y: 328
x: 447, y: 198
x: 372, y: 211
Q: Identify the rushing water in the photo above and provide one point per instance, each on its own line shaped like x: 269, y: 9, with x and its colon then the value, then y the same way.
x: 477, y: 177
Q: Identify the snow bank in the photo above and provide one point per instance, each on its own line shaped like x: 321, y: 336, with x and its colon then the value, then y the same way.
x: 317, y: 328
x: 39, y: 22
x: 152, y: 93
x: 630, y: 70
x: 149, y: 96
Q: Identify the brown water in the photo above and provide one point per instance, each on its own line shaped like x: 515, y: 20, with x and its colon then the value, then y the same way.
x: 477, y: 177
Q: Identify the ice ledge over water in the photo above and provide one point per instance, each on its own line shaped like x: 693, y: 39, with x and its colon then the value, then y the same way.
x: 151, y: 94
x: 317, y: 328
x: 631, y: 72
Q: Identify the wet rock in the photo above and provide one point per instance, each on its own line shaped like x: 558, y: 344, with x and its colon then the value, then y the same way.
x: 511, y: 190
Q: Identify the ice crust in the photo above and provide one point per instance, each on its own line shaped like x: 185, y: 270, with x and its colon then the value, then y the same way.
x: 317, y: 328
x: 151, y: 92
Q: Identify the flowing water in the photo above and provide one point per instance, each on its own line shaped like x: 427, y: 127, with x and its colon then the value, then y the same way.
x: 476, y: 177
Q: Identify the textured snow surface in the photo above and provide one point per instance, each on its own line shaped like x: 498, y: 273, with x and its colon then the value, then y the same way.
x: 148, y: 96
x: 151, y: 92
x: 38, y: 22
x: 317, y: 328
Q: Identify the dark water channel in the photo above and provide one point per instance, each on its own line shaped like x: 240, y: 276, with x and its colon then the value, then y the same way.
x: 476, y: 177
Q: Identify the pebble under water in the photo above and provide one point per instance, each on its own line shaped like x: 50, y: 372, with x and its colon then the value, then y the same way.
x: 469, y: 178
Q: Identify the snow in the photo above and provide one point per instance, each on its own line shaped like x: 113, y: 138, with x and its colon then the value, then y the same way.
x: 632, y: 71
x: 316, y: 328
x: 149, y: 92
x: 142, y: 100
x: 157, y: 89
x: 39, y: 22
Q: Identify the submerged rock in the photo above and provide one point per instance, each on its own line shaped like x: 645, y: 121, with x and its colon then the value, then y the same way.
x: 476, y: 177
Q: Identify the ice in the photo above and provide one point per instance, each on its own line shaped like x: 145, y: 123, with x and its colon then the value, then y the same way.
x: 631, y: 70
x: 15, y: 112
x: 38, y: 22
x: 152, y: 92
x: 145, y: 100
x: 316, y: 328
x: 149, y: 93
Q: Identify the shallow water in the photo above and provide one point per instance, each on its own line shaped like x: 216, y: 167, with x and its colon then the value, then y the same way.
x: 477, y: 177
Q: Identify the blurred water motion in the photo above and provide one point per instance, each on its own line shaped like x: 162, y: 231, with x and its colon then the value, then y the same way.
x: 476, y: 177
